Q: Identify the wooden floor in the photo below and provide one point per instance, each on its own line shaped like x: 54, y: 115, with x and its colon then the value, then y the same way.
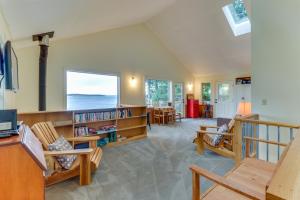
x: 253, y: 174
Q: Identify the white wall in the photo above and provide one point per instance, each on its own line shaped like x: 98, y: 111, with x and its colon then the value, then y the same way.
x: 276, y: 60
x: 7, y: 98
x: 276, y: 63
x: 131, y: 51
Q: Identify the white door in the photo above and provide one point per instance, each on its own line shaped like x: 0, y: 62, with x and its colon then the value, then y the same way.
x: 179, y: 98
x: 224, y: 102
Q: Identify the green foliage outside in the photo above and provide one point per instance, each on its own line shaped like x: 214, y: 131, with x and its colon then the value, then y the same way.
x: 206, y: 92
x: 157, y: 92
x: 178, y: 92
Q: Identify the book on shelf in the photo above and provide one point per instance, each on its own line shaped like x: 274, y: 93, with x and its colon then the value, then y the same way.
x: 94, y: 116
x: 86, y: 131
x: 81, y: 131
x: 124, y: 113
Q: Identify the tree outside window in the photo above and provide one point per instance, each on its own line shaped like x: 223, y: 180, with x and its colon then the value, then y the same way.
x: 206, y: 92
x: 157, y: 92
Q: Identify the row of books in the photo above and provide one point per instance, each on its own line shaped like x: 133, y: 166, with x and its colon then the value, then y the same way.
x: 90, y: 117
x: 81, y: 131
x: 85, y: 130
x: 124, y: 113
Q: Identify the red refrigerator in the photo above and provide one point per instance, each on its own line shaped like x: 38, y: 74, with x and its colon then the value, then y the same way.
x: 192, y: 108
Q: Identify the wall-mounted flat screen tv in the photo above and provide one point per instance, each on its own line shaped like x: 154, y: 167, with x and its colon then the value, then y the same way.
x: 1, y: 63
x: 10, y: 68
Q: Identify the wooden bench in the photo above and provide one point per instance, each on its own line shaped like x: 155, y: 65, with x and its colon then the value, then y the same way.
x: 255, y: 179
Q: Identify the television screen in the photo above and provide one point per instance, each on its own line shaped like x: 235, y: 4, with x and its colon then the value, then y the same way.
x: 11, y: 68
x: 1, y: 62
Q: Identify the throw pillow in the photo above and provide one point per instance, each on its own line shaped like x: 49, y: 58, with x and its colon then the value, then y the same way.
x: 218, y: 138
x: 61, y: 144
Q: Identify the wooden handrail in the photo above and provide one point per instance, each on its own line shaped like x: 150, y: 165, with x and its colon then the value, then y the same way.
x: 266, y: 141
x: 285, y: 183
x: 269, y: 123
x: 231, y: 185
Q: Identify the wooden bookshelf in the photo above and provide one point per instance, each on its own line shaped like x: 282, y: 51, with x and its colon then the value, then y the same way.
x: 130, y: 122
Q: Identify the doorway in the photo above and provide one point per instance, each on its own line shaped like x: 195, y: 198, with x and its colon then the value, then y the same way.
x: 224, y: 102
x: 179, y: 98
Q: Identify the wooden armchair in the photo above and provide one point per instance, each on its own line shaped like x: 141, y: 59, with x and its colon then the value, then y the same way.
x: 87, y: 159
x: 253, y: 178
x: 225, y: 146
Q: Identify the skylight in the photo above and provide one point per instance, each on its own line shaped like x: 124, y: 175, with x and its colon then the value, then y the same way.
x: 237, y: 17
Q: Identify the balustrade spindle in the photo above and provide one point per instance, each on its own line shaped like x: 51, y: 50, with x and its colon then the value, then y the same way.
x: 267, y: 143
x: 278, y: 140
x: 291, y: 134
x: 257, y: 143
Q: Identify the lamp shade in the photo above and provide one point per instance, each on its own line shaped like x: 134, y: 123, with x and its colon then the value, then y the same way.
x: 244, y: 108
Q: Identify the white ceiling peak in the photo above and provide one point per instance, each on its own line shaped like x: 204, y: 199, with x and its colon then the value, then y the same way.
x: 69, y: 18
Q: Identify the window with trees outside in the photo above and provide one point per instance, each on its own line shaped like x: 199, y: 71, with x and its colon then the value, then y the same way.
x: 206, y: 92
x: 158, y: 92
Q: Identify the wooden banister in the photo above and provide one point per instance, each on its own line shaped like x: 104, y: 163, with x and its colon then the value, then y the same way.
x: 269, y: 123
x: 285, y: 183
x: 266, y: 141
x: 231, y: 185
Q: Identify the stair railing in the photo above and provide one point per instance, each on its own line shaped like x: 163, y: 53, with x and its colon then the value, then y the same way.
x: 261, y: 139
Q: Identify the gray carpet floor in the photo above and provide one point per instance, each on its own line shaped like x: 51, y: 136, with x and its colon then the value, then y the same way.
x: 155, y: 168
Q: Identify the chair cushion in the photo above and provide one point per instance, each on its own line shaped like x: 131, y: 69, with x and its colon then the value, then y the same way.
x: 218, y: 138
x: 61, y: 144
x: 208, y: 139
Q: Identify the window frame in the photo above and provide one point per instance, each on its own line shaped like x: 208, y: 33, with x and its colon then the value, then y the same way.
x: 210, y: 84
x: 171, y: 98
x: 65, y: 95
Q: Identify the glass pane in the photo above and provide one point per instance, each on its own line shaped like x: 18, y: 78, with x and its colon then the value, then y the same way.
x: 178, y: 95
x: 157, y: 92
x: 91, y: 91
x: 238, y: 11
x: 223, y: 92
x: 206, y: 92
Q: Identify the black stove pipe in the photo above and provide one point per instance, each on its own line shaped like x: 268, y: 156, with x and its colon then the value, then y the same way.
x: 43, y: 40
x: 42, y: 76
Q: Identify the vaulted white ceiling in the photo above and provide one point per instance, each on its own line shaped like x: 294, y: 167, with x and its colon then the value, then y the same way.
x: 76, y: 17
x: 196, y: 31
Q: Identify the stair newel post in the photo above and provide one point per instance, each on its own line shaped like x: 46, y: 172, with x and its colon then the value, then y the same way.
x: 238, y: 141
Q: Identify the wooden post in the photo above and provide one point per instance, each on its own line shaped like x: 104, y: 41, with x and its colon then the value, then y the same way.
x: 247, y: 148
x: 196, y: 186
x: 199, y: 141
x: 85, y: 169
x: 255, y: 129
x: 237, y: 142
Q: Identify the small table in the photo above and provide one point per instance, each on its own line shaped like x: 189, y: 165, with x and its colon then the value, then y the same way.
x: 167, y: 112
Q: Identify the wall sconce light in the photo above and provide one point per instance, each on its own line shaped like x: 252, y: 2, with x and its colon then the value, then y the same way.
x: 133, y: 81
x: 190, y: 87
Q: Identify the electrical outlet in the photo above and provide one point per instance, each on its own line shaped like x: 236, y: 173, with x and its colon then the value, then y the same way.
x: 264, y: 102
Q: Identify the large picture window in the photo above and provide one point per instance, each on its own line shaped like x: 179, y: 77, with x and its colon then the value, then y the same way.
x: 158, y: 92
x: 91, y: 91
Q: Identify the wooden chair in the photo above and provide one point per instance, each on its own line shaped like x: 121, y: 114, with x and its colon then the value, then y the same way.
x: 178, y: 116
x: 224, y: 148
x: 171, y: 113
x: 253, y: 178
x: 158, y: 116
x: 87, y: 159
